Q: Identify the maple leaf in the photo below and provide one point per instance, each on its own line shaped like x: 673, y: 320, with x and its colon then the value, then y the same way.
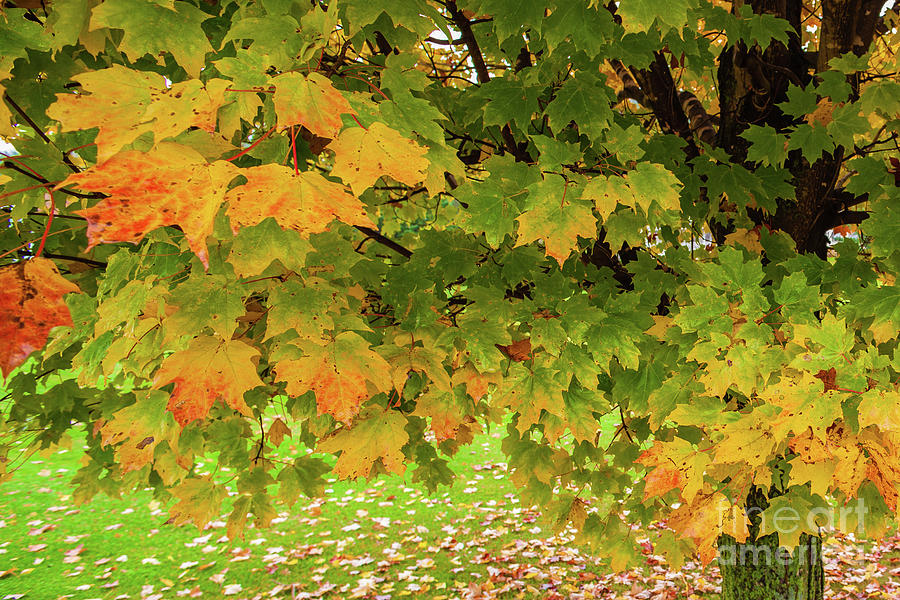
x: 199, y: 499
x: 176, y: 30
x: 476, y: 383
x: 305, y: 307
x: 134, y: 103
x: 376, y: 435
x: 448, y: 411
x: 210, y: 368
x: 405, y: 358
x: 528, y: 392
x: 556, y: 221
x: 660, y: 480
x: 170, y: 185
x: 361, y: 156
x: 311, y: 101
x: 340, y: 372
x: 305, y: 202
x: 518, y: 351
x: 705, y: 519
x: 31, y: 304
x: 138, y: 429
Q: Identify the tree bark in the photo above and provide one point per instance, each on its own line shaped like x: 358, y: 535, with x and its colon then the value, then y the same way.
x: 761, y: 570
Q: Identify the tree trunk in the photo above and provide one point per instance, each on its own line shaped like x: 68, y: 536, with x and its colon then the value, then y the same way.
x: 761, y: 570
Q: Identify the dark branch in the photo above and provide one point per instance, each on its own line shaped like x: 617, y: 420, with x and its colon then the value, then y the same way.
x: 87, y: 261
x: 468, y: 37
x: 11, y: 165
x: 39, y: 131
x: 385, y: 241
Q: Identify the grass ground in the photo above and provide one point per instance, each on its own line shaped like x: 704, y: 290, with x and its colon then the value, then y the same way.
x: 381, y: 540
x: 385, y: 538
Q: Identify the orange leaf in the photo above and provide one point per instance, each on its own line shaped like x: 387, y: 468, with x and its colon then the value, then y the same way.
x: 170, y: 185
x: 361, y: 156
x: 518, y: 351
x: 31, y: 304
x: 339, y: 372
x: 310, y: 100
x: 305, y: 202
x: 446, y: 409
x: 476, y: 383
x: 661, y: 480
x: 210, y: 368
x: 705, y: 519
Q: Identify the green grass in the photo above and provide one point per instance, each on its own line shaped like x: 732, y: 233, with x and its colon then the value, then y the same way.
x: 385, y: 538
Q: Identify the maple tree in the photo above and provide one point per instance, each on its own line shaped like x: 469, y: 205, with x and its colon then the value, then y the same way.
x: 392, y: 223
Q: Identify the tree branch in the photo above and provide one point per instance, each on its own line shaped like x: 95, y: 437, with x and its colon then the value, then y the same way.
x: 8, y: 164
x: 39, y: 131
x: 468, y: 37
x: 87, y: 261
x: 385, y: 241
x: 658, y: 87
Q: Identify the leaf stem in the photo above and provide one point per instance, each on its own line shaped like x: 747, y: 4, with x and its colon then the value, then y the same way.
x: 252, y: 146
x: 49, y: 224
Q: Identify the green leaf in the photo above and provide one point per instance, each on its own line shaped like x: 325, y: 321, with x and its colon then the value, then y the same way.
x: 800, y: 102
x: 639, y: 15
x: 849, y: 63
x: 767, y: 146
x: 584, y: 100
x: 834, y: 85
x: 587, y: 25
x: 151, y: 28
x: 303, y: 476
x: 846, y: 123
x: 811, y: 140
x: 763, y: 28
x: 882, y: 97
x: 509, y: 101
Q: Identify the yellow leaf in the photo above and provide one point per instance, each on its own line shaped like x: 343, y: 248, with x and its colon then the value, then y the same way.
x: 310, y: 100
x: 210, y: 368
x: 137, y: 430
x: 6, y: 128
x: 342, y: 373
x: 818, y: 475
x: 422, y: 358
x: 376, y: 434
x: 607, y: 192
x: 305, y: 202
x: 199, y: 500
x: 850, y: 469
x: 126, y: 104
x: 558, y: 222
x: 361, y: 156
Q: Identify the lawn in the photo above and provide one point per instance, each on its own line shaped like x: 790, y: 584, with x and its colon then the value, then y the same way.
x: 382, y: 539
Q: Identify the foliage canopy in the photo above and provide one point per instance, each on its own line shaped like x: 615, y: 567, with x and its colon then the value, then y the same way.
x: 390, y: 223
